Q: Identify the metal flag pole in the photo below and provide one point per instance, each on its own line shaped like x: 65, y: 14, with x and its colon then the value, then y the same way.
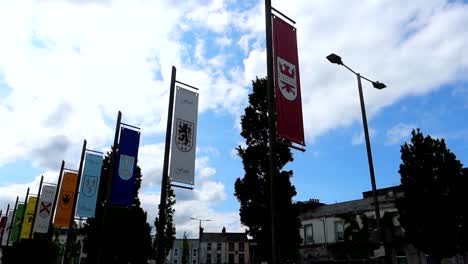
x: 35, y: 208
x: 6, y: 223
x: 275, y: 254
x: 12, y: 220
x: 108, y: 195
x: 72, y: 218
x: 165, y: 174
x: 24, y: 211
x: 57, y: 190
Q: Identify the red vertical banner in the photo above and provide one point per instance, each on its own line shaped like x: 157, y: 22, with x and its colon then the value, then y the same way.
x: 289, y: 123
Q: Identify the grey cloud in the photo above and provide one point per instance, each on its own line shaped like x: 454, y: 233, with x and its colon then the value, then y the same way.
x: 59, y: 116
x: 48, y: 154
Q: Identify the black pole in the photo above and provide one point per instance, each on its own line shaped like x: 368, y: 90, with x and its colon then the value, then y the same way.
x: 165, y: 174
x: 35, y: 208
x: 6, y: 223
x: 113, y: 157
x: 371, y: 163
x: 72, y: 218
x: 12, y: 221
x: 24, y: 212
x: 275, y: 251
x: 57, y: 190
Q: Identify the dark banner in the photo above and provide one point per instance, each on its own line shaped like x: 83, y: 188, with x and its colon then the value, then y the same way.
x: 287, y: 83
x: 123, y: 190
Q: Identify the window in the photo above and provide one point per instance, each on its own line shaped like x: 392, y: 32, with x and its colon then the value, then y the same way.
x: 339, y: 231
x: 241, y: 259
x: 218, y: 246
x: 241, y: 247
x: 194, y: 252
x: 175, y: 261
x: 231, y: 246
x: 401, y: 260
x: 309, y: 234
x: 208, y: 258
x: 194, y: 261
x: 209, y: 246
x: 176, y: 252
x: 231, y: 258
x: 218, y: 258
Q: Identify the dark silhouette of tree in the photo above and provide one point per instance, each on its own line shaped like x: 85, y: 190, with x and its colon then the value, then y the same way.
x: 169, y: 228
x: 253, y: 192
x: 433, y: 207
x: 126, y: 235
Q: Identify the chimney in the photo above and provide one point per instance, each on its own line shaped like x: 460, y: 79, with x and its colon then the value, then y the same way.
x: 223, y: 230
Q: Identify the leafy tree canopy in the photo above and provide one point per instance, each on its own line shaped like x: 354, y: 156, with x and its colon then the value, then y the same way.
x: 433, y: 208
x: 252, y: 190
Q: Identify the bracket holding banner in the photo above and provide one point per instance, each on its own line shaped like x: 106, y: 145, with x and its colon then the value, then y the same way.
x: 181, y: 186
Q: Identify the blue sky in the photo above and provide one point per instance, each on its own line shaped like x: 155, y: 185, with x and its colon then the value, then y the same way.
x: 67, y: 67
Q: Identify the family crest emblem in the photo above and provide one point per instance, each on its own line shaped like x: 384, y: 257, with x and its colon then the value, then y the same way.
x: 287, y: 79
x: 184, y: 135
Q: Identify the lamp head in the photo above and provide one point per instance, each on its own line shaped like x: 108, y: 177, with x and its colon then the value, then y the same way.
x: 333, y: 58
x: 379, y: 85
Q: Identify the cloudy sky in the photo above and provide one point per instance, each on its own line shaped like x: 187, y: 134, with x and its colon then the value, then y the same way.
x: 68, y: 67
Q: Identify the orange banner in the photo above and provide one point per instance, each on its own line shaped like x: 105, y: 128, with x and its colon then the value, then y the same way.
x: 65, y: 200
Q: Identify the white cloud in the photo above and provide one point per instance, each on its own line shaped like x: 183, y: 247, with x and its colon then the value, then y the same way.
x: 358, y: 139
x: 398, y: 133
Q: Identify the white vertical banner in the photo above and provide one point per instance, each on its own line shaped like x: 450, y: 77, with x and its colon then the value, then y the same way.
x: 7, y: 228
x: 184, y: 135
x: 44, y: 209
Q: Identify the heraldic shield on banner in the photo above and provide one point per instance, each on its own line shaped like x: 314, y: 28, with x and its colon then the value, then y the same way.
x: 184, y: 129
x: 123, y: 183
x: 41, y: 223
x: 289, y: 121
x: 184, y: 135
x: 86, y: 205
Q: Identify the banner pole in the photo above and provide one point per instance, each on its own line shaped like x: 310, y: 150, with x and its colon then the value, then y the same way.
x: 12, y: 220
x: 72, y: 218
x: 108, y: 195
x: 57, y: 190
x: 165, y: 174
x: 35, y: 208
x: 271, y: 135
x: 6, y: 223
x: 24, y: 213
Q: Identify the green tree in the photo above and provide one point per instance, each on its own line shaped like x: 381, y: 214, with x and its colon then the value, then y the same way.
x: 185, y: 250
x: 253, y: 192
x: 432, y: 209
x: 126, y: 235
x: 169, y: 227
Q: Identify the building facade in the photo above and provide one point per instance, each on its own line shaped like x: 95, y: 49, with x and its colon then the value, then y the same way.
x: 224, y: 248
x: 176, y: 253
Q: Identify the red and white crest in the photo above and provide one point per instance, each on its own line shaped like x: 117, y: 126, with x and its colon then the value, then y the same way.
x: 287, y: 80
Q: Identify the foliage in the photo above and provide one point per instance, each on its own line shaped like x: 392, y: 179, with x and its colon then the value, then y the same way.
x: 434, y: 196
x: 169, y: 227
x: 254, y: 205
x: 357, y: 242
x: 126, y: 234
x: 38, y: 250
x: 185, y: 250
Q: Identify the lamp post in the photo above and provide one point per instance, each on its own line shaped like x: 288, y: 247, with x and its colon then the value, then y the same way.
x: 333, y: 58
x: 199, y: 234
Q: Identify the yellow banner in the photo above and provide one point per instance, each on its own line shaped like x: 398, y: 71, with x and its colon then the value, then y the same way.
x: 28, y: 218
x: 65, y: 200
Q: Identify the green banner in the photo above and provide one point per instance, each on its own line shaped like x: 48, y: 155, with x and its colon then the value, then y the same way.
x: 17, y: 223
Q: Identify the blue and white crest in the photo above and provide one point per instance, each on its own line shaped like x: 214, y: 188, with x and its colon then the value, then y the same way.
x: 89, y: 185
x: 126, y: 166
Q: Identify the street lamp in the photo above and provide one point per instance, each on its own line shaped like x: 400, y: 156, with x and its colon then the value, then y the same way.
x: 199, y: 235
x: 333, y: 58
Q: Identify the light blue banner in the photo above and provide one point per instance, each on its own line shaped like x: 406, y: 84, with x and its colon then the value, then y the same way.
x: 89, y: 185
